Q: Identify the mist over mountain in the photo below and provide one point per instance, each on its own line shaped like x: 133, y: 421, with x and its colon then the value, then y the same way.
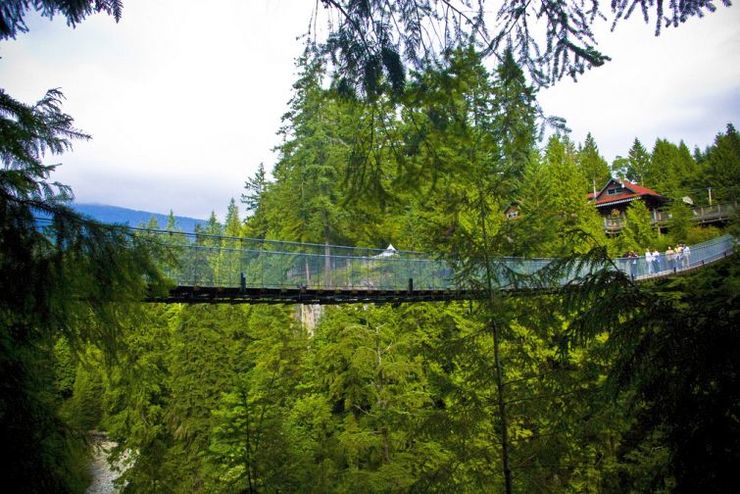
x: 132, y: 217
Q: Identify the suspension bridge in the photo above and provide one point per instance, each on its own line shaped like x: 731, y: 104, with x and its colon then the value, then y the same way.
x: 220, y: 269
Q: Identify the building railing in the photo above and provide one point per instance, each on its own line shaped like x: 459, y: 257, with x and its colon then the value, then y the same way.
x: 700, y: 214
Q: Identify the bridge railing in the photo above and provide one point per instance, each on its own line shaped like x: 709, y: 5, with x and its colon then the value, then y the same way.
x: 218, y: 261
x: 207, y: 261
x: 232, y: 262
x: 201, y: 260
x: 664, y: 264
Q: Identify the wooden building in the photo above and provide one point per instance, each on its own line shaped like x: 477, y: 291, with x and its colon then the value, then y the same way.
x: 615, y: 197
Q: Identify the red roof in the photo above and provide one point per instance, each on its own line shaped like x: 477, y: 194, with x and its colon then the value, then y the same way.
x: 632, y: 191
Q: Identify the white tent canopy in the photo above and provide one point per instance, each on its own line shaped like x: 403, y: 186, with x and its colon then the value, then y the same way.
x: 389, y: 251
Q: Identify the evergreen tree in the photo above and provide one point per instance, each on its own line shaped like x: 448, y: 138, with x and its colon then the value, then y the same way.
x: 638, y: 165
x: 377, y: 39
x: 591, y: 165
x: 78, y: 277
x: 136, y: 398
x: 256, y: 222
x: 312, y: 158
x: 252, y: 444
x: 171, y: 222
x: 554, y: 203
x: 663, y: 174
x: 232, y: 225
x: 678, y: 381
x: 515, y: 111
x: 686, y: 169
x: 377, y: 391
x: 680, y: 221
x: 721, y: 166
x: 254, y: 187
x: 638, y: 233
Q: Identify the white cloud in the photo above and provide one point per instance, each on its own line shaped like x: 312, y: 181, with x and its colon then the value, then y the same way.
x: 175, y: 92
x: 667, y: 86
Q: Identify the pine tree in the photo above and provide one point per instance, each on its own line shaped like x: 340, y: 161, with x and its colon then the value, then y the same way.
x: 232, y: 225
x: 721, y: 166
x: 686, y: 169
x: 554, y: 204
x: 78, y: 277
x: 591, y: 164
x: 663, y: 172
x: 515, y: 109
x: 638, y: 233
x: 311, y: 162
x: 171, y: 222
x: 639, y: 165
x: 254, y: 187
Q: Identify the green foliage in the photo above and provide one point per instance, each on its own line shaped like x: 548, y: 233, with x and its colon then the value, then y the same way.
x: 13, y: 12
x: 515, y: 110
x: 64, y: 367
x: 312, y: 159
x: 674, y: 346
x: 371, y: 42
x: 638, y: 168
x: 672, y: 169
x: 680, y: 221
x: 232, y: 225
x: 638, y: 233
x: 609, y: 387
x: 720, y: 168
x: 84, y: 408
x: 79, y: 277
x: 696, y: 390
x: 554, y: 203
x: 591, y: 164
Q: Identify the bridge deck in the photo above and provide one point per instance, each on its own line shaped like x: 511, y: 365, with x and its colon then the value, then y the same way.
x: 321, y: 296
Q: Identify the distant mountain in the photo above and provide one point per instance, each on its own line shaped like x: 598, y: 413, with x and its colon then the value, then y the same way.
x: 132, y: 217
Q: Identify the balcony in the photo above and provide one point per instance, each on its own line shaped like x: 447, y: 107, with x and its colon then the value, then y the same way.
x: 703, y: 215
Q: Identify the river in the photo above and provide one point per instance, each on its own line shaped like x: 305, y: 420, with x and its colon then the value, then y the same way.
x: 103, y: 474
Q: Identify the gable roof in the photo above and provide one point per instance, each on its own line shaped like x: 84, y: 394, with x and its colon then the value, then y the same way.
x: 631, y: 192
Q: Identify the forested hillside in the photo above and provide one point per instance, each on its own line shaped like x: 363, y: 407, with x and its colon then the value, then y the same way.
x: 614, y: 388
x: 118, y: 215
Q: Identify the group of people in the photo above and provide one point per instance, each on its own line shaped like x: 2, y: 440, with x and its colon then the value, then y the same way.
x: 674, y: 258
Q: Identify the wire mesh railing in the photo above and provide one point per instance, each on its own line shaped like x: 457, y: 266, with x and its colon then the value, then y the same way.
x: 665, y: 263
x: 215, y: 261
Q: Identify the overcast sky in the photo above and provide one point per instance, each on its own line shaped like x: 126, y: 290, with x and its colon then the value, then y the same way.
x: 183, y: 101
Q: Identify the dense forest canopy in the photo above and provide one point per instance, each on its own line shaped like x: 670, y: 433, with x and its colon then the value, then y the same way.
x: 613, y: 387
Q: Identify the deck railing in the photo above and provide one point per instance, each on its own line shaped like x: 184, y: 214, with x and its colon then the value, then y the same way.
x: 700, y: 214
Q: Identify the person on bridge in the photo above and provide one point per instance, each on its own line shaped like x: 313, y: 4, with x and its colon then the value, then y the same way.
x: 686, y: 256
x: 670, y: 255
x: 656, y: 260
x: 633, y: 263
x: 649, y: 261
x: 679, y: 256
